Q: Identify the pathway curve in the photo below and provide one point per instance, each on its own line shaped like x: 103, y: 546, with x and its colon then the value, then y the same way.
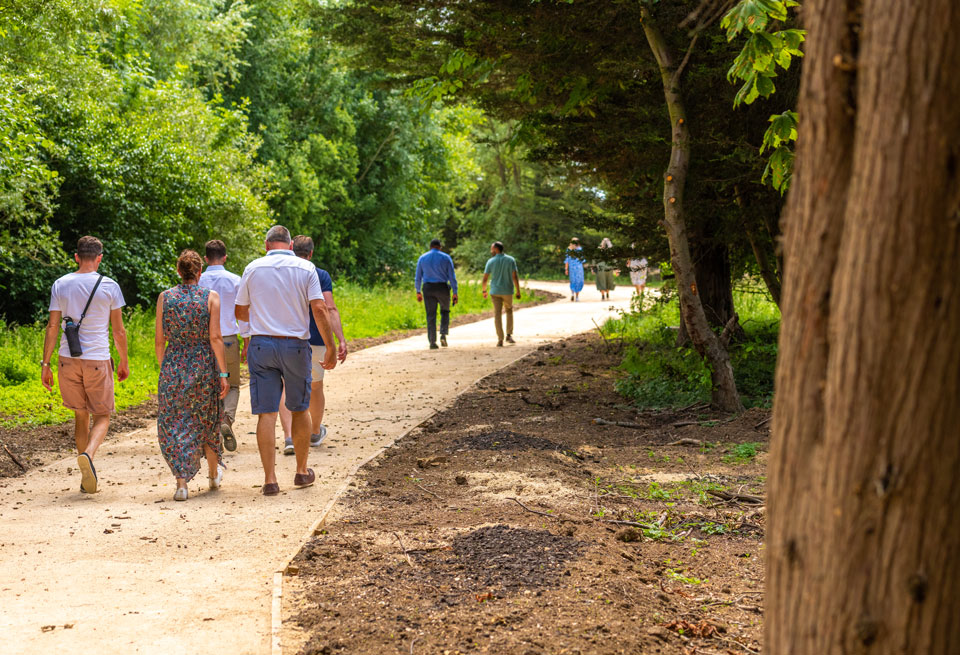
x: 131, y: 571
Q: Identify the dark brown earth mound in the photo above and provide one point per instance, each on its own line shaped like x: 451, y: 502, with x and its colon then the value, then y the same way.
x: 515, y: 523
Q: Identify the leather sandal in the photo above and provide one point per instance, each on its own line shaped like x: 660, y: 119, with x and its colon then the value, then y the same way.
x: 270, y: 489
x: 301, y: 480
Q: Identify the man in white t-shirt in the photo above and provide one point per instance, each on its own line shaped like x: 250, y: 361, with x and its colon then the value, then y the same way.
x: 225, y: 283
x: 276, y: 296
x: 86, y: 379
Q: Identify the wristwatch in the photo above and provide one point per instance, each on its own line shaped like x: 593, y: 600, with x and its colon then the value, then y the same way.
x: 224, y: 375
x: 43, y: 363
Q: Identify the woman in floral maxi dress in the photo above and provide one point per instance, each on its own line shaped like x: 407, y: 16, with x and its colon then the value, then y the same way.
x: 190, y: 349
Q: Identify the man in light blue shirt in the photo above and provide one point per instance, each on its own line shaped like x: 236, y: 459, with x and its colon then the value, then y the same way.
x: 434, y: 281
x: 225, y: 283
x: 501, y: 272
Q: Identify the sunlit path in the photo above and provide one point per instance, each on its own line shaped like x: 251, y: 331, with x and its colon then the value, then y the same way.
x: 132, y: 571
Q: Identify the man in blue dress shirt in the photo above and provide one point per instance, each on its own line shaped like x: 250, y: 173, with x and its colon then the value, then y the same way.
x: 434, y: 281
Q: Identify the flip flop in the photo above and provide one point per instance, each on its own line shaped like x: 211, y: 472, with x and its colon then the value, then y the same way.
x: 88, y: 474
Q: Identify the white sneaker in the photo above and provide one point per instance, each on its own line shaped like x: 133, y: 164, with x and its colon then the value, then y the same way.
x: 215, y: 482
x: 288, y: 446
x: 181, y: 493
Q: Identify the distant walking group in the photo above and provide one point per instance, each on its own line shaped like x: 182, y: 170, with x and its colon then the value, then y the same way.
x: 279, y: 317
x: 435, y: 280
x: 574, y: 265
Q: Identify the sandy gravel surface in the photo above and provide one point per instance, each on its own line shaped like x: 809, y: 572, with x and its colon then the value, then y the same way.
x: 129, y: 570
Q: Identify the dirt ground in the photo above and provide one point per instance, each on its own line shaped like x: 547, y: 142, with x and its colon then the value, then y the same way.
x: 513, y: 523
x: 33, y: 446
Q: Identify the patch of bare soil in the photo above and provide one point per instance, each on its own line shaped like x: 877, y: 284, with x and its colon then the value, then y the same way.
x: 36, y: 445
x: 514, y: 523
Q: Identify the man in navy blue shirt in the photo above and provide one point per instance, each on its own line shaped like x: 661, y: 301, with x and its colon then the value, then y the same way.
x: 303, y: 248
x: 434, y: 281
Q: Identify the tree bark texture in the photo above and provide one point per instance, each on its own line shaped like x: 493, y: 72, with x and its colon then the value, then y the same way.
x: 711, y: 266
x: 705, y: 341
x: 863, y: 539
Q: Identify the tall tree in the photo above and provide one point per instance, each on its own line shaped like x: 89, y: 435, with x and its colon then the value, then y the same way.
x: 557, y: 65
x: 863, y: 536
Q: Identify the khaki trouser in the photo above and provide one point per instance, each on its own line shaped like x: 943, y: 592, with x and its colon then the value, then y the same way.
x: 501, y: 302
x: 231, y: 353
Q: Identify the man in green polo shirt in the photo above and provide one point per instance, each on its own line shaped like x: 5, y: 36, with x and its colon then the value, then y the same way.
x: 501, y: 272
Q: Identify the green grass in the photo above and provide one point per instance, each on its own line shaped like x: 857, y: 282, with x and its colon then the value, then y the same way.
x: 371, y: 312
x: 658, y: 374
x: 366, y: 312
x: 24, y: 401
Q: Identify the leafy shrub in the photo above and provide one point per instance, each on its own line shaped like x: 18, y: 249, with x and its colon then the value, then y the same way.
x: 658, y: 374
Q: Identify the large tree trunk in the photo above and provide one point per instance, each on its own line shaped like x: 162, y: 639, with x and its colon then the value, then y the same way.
x: 711, y: 265
x: 706, y: 342
x: 863, y: 535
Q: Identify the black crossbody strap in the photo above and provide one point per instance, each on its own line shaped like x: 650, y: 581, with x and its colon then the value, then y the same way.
x: 87, y: 306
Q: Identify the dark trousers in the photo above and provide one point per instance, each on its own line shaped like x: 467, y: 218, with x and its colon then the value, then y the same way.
x: 436, y: 294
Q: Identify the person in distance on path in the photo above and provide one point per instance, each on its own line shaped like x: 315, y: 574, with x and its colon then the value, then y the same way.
x: 605, y: 274
x: 277, y: 293
x: 573, y: 268
x: 303, y: 248
x: 217, y: 278
x: 193, y: 376
x: 93, y: 302
x: 501, y: 272
x: 434, y: 281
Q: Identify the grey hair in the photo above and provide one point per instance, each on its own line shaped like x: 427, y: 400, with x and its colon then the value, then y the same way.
x: 606, y: 243
x: 278, y: 233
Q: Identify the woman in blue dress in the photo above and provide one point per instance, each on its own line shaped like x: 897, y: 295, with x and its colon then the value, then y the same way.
x: 573, y: 267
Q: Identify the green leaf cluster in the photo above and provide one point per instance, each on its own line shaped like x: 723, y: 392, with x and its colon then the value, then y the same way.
x: 767, y: 49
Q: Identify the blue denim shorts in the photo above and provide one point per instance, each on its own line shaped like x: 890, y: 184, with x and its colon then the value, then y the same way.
x: 276, y: 363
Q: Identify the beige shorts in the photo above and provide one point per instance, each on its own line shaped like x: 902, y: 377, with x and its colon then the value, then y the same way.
x: 317, y: 358
x: 86, y: 385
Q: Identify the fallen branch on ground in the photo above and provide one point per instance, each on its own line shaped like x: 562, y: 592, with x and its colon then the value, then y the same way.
x: 620, y: 424
x: 746, y: 498
x: 763, y: 422
x: 404, y: 549
x: 533, y: 511
x: 428, y: 491
x: 15, y: 459
x: 687, y: 442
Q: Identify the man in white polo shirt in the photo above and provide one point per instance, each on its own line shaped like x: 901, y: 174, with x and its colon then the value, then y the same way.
x: 276, y: 296
x: 225, y: 283
x: 86, y: 377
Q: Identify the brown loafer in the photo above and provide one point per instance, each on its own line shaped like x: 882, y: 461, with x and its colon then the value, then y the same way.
x: 270, y: 489
x: 301, y: 480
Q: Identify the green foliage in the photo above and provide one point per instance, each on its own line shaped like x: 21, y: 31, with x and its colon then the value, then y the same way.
x: 742, y: 452
x: 24, y: 401
x: 767, y: 49
x: 372, y: 311
x: 158, y: 124
x: 659, y: 374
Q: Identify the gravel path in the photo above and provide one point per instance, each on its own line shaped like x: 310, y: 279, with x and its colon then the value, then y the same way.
x: 129, y: 570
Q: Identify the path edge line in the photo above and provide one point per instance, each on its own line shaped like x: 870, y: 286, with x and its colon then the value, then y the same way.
x: 276, y: 619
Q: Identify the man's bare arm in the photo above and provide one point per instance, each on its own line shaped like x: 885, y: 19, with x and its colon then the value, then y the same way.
x: 120, y: 341
x: 49, y: 343
x: 322, y: 318
x: 334, y: 314
x: 242, y: 312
